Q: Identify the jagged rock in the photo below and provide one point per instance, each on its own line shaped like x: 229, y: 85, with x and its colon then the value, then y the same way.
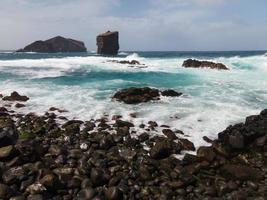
x: 171, y: 93
x: 54, y: 45
x: 108, y: 43
x: 137, y: 95
x: 14, y: 96
x: 190, y: 63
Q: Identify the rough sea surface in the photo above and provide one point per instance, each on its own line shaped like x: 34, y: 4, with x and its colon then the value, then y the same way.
x: 84, y: 83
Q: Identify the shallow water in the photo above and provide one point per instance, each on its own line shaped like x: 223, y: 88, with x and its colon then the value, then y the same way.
x: 84, y: 83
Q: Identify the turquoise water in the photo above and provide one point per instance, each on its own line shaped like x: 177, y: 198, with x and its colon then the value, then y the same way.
x: 84, y: 83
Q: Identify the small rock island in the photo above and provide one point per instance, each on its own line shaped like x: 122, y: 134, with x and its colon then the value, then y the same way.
x: 190, y: 63
x: 108, y: 43
x: 55, y: 45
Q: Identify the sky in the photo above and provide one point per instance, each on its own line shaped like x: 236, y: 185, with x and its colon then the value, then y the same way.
x: 148, y: 25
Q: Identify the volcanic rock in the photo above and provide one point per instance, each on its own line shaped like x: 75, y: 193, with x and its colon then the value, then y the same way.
x: 170, y: 93
x: 108, y: 43
x: 55, y: 45
x: 190, y: 63
x: 137, y: 95
x: 15, y: 96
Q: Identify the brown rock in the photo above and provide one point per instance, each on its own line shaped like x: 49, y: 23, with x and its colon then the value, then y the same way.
x: 190, y: 63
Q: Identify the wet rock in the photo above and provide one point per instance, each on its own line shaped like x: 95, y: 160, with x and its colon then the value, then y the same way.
x: 170, y: 93
x: 86, y: 194
x: 206, y: 153
x: 201, y: 64
x: 240, y: 172
x: 113, y: 193
x: 108, y: 43
x: 5, y: 192
x: 55, y: 150
x: 190, y: 159
x: 15, y: 96
x: 162, y: 149
x: 98, y: 177
x: 143, y: 137
x: 17, y: 198
x: 50, y: 182
x: 36, y: 197
x: 8, y: 134
x: 127, y: 154
x: 121, y: 123
x: 35, y: 188
x: 187, y: 145
x: 137, y: 95
x: 13, y: 175
x: 7, y: 152
x: 19, y: 105
x: 89, y: 126
x: 169, y: 133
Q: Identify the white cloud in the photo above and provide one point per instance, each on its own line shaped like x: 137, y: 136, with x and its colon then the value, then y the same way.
x: 176, y: 25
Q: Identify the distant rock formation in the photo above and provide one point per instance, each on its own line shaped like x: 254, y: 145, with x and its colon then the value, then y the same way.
x: 190, y: 63
x: 55, y: 45
x: 108, y: 43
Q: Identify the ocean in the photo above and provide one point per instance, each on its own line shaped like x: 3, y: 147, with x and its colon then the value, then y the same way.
x: 83, y: 84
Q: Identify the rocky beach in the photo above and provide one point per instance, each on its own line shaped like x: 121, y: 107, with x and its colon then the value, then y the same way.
x: 50, y: 157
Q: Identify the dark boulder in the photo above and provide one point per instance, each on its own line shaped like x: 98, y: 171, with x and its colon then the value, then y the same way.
x: 170, y: 93
x: 142, y: 95
x: 190, y: 63
x: 54, y: 45
x: 137, y: 95
x: 108, y: 43
x: 8, y: 135
x: 14, y: 96
x: 161, y: 149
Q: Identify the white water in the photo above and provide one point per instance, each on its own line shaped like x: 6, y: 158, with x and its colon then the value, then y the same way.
x: 214, y: 100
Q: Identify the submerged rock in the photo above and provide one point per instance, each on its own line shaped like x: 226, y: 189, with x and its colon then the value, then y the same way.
x: 132, y: 62
x: 108, y: 43
x: 54, y: 45
x: 190, y: 63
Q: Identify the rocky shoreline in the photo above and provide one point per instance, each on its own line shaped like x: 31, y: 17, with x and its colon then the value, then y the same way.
x: 101, y: 159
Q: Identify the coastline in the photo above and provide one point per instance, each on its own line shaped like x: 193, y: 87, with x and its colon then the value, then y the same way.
x: 100, y: 159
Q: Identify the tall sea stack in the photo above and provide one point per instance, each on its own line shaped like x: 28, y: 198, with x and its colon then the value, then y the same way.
x: 108, y: 43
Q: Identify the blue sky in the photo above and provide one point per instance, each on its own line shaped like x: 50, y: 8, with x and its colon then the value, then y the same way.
x: 143, y: 24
